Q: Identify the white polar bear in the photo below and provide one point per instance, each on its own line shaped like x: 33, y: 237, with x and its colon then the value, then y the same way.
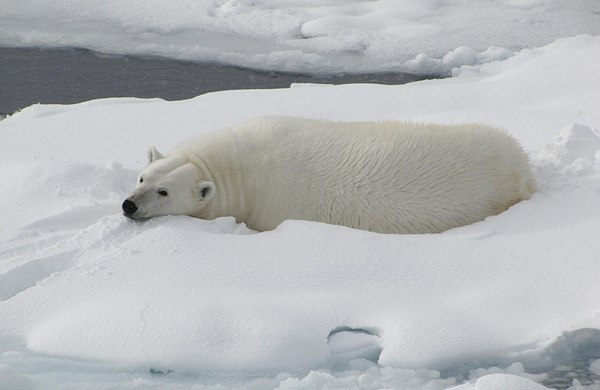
x: 388, y: 177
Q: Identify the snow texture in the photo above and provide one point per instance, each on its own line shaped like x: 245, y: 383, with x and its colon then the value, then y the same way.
x: 417, y: 36
x: 86, y: 294
x: 12, y: 380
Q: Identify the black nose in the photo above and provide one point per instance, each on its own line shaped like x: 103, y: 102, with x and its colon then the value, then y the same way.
x: 129, y: 207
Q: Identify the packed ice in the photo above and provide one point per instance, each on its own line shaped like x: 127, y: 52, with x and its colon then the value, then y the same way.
x: 416, y: 36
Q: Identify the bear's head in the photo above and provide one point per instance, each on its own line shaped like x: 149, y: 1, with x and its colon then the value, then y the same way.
x: 169, y: 185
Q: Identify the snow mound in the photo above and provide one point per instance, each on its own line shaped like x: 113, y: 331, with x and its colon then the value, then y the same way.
x: 456, y: 58
x: 576, y: 145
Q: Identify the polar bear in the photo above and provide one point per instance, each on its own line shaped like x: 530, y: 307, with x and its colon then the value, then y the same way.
x: 387, y: 177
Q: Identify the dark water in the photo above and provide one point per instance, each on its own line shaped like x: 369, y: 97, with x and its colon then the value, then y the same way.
x: 45, y: 75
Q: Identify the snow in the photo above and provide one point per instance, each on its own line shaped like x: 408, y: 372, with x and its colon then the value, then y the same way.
x: 501, y: 382
x: 88, y: 297
x: 417, y: 36
x: 11, y: 380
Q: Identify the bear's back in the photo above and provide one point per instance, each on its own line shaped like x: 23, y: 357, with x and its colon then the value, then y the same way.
x: 391, y: 177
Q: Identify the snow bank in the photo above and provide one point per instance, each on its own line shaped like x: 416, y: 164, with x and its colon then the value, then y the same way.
x: 79, y: 281
x: 315, y: 36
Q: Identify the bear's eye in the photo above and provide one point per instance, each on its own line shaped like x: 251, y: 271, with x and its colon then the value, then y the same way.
x: 141, y: 180
x: 163, y: 193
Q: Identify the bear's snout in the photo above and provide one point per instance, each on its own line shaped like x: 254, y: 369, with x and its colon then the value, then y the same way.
x: 129, y: 207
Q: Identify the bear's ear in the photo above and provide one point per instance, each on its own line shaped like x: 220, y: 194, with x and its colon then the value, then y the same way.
x: 154, y: 155
x: 205, y: 190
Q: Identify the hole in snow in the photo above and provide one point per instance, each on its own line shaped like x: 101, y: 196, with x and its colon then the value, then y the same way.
x: 347, y: 344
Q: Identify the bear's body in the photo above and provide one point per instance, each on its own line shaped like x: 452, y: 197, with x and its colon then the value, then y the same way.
x: 388, y: 177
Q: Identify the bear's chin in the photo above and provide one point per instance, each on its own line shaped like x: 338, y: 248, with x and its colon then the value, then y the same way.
x: 134, y: 218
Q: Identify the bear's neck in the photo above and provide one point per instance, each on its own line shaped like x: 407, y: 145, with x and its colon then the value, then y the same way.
x: 217, y: 158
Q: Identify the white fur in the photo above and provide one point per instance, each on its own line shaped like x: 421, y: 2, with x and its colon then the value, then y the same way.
x: 389, y: 177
